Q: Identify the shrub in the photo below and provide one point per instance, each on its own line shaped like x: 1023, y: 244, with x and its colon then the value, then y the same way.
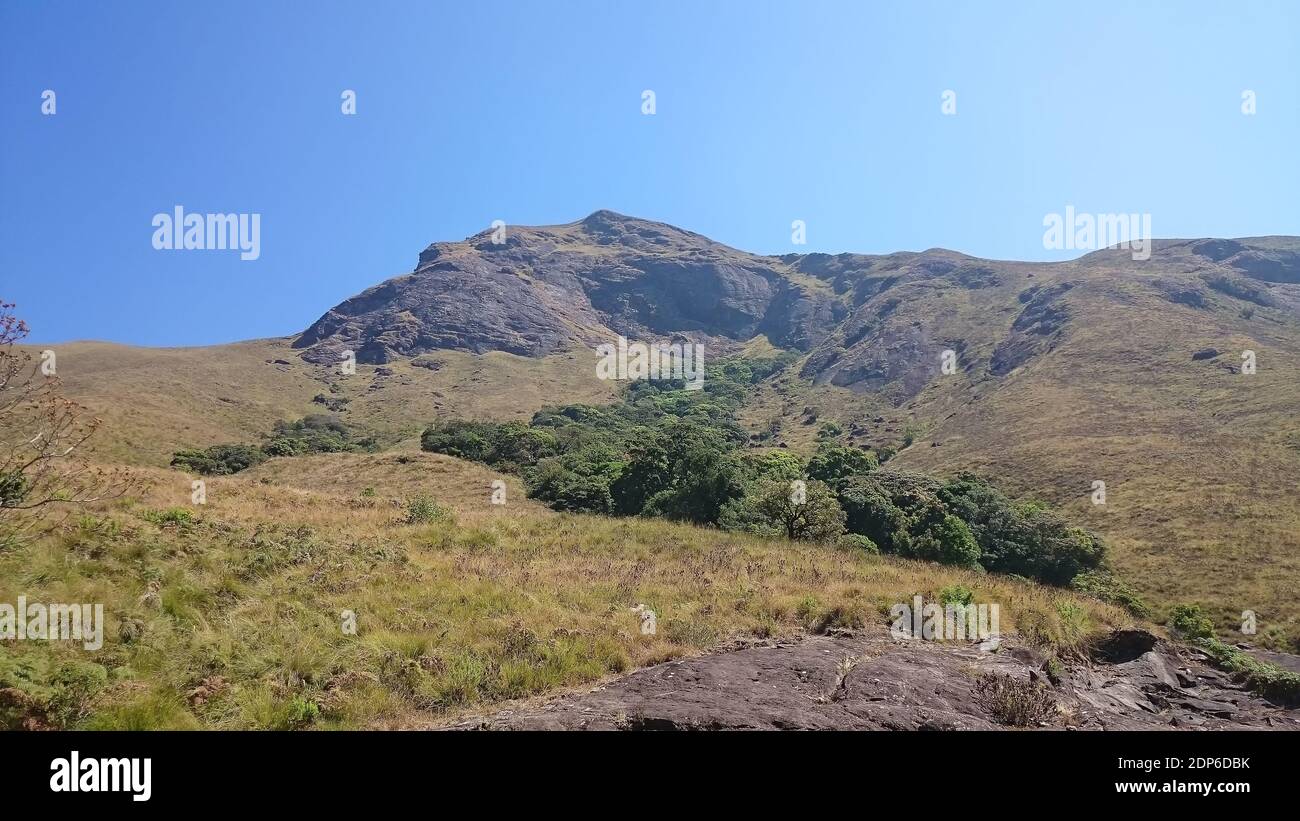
x: 829, y: 430
x: 909, y: 435
x: 422, y: 510
x: 13, y: 488
x: 1271, y: 681
x: 947, y: 541
x: 1190, y: 622
x: 175, y: 516
x: 579, y: 494
x: 856, y: 542
x: 772, y: 464
x: 1015, y: 702
x: 956, y: 594
x: 36, y: 694
x: 219, y: 460
x: 301, y: 712
x: 1023, y: 540
x: 1101, y: 584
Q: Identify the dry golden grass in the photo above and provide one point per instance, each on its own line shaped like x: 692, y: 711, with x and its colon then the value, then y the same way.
x: 228, y: 614
x: 155, y: 401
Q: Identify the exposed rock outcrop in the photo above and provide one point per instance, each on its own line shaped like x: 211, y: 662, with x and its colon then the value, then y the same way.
x: 871, y: 681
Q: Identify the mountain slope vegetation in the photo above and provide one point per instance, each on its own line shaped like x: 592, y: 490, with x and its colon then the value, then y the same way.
x: 1102, y: 369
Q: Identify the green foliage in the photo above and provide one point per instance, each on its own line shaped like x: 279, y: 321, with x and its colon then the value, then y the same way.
x: 773, y: 508
x: 1103, y: 585
x: 700, y: 479
x: 773, y: 464
x: 1191, y: 622
x: 1025, y: 540
x: 302, y: 712
x: 856, y: 541
x: 422, y: 510
x: 1269, y: 680
x: 219, y: 460
x: 957, y: 594
x: 13, y: 488
x: 174, y: 516
x: 946, y: 540
x: 834, y: 463
x: 509, y: 445
x: 662, y: 451
x: 889, y: 507
x: 40, y: 693
x: 317, y: 433
x: 675, y: 453
x: 965, y: 522
x: 829, y: 430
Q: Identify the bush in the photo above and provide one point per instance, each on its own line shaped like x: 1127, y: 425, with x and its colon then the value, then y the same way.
x: 301, y: 712
x: 857, y: 542
x: 37, y: 694
x: 582, y: 494
x: 869, y: 509
x: 13, y: 488
x: 957, y: 594
x: 829, y: 430
x: 1015, y: 702
x: 422, y: 510
x: 1100, y: 584
x: 1190, y: 622
x: 175, y: 516
x: 947, y: 541
x: 317, y: 433
x: 219, y: 460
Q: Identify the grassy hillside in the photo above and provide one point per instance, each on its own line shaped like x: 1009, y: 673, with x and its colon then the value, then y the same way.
x: 155, y: 401
x: 1200, y: 460
x: 1097, y: 369
x: 228, y: 614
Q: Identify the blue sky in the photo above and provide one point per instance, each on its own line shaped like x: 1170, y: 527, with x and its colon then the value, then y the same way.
x: 530, y: 112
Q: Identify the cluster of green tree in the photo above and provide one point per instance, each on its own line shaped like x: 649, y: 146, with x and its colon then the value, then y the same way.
x: 664, y: 451
x: 317, y: 433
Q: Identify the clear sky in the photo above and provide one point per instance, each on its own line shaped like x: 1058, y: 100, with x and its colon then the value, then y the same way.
x: 531, y: 112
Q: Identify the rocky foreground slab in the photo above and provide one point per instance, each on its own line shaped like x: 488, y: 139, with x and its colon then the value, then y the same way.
x: 870, y: 681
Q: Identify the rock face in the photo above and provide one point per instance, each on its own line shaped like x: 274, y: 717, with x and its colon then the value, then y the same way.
x: 872, y: 681
x: 541, y: 290
x: 869, y: 323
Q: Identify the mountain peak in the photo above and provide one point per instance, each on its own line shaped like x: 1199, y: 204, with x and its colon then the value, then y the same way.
x: 604, y: 216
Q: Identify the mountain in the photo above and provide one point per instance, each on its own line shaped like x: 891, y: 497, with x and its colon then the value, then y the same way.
x: 1099, y: 369
x: 543, y: 290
